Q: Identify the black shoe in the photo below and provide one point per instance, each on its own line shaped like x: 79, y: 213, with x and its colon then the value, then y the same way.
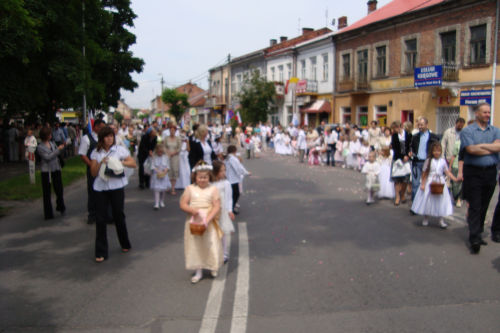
x: 475, y: 248
x: 496, y: 237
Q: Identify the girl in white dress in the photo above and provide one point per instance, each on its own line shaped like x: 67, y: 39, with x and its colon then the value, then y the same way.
x: 425, y: 203
x: 226, y: 205
x: 386, y: 185
x: 160, y: 183
x: 372, y: 170
x: 353, y: 156
x: 184, y: 169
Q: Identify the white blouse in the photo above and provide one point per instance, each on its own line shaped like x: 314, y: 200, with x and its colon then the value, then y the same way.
x: 207, y: 152
x: 120, y: 153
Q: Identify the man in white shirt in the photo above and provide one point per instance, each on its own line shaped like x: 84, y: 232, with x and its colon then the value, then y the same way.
x: 87, y: 145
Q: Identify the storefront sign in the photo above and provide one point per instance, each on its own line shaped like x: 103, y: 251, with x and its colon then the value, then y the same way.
x: 428, y: 76
x: 193, y: 112
x: 475, y: 97
x: 301, y: 86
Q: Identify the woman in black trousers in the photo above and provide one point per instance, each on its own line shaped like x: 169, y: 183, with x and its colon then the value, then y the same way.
x: 51, y: 173
x: 109, y: 189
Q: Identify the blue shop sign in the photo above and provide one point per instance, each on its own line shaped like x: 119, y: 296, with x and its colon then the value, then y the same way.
x: 475, y: 97
x: 428, y: 76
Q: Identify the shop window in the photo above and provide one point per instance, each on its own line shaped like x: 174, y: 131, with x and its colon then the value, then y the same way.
x: 381, y: 115
x: 363, y: 116
x: 346, y: 115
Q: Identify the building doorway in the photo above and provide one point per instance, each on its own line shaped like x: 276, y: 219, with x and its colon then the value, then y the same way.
x: 446, y: 118
x: 407, y: 115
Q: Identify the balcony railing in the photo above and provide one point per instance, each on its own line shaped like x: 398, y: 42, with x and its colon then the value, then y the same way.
x: 346, y: 84
x: 450, y: 71
x: 307, y: 86
x: 362, y: 83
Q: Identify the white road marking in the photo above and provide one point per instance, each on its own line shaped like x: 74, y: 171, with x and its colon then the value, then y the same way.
x: 240, y: 307
x: 214, y: 301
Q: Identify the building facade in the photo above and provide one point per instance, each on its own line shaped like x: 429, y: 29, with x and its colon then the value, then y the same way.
x: 417, y: 58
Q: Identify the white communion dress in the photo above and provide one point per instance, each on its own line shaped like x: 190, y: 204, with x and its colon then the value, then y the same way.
x: 425, y: 202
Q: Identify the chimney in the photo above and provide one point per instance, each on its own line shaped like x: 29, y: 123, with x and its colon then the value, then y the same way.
x: 372, y: 6
x: 306, y: 31
x: 342, y: 22
x: 273, y: 42
x: 283, y: 39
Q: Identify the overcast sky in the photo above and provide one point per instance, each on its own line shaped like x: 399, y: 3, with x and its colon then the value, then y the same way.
x: 182, y: 39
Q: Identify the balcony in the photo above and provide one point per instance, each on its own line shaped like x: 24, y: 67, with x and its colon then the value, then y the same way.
x: 362, y: 83
x: 450, y: 71
x: 346, y: 84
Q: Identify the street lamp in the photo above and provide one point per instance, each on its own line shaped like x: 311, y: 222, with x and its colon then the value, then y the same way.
x: 161, y: 93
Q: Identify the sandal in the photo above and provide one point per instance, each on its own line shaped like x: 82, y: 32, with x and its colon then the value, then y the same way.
x: 99, y: 259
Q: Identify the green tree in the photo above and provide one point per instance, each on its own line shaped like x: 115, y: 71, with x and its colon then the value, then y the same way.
x: 257, y: 98
x: 118, y: 117
x: 48, y: 71
x: 177, y: 101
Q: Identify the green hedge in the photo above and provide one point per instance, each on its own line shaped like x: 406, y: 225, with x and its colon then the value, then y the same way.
x: 19, y: 187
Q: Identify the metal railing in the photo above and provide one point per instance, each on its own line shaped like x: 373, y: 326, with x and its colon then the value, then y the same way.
x: 450, y: 71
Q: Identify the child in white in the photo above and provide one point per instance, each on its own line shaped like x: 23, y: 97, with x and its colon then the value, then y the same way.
x: 160, y: 183
x: 235, y: 173
x: 372, y: 170
x: 386, y: 185
x: 226, y: 205
x: 352, y: 159
x: 364, y: 151
x: 425, y: 203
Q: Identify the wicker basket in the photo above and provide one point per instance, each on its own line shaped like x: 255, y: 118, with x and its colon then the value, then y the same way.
x: 437, y: 188
x: 197, y: 229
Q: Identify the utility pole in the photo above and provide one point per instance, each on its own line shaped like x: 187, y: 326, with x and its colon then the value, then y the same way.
x: 83, y: 65
x: 161, y: 94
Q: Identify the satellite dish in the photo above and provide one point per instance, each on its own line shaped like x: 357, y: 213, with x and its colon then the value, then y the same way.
x: 333, y: 22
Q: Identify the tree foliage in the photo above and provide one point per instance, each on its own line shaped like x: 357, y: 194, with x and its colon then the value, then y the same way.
x: 42, y: 64
x: 257, y: 99
x: 177, y: 102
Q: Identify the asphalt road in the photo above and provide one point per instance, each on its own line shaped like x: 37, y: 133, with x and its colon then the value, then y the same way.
x: 319, y: 260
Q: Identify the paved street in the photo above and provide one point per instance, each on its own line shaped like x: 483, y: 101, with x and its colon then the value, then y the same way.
x: 319, y: 260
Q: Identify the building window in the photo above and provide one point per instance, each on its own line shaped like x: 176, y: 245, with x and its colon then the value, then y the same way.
x: 381, y: 115
x: 381, y: 61
x: 302, y: 69
x: 325, y: 67
x: 313, y: 68
x: 289, y: 70
x: 346, y: 115
x: 346, y: 66
x: 363, y: 116
x: 448, y: 46
x: 478, y: 44
x: 410, y: 55
x: 272, y: 73
x: 363, y: 66
x: 280, y: 73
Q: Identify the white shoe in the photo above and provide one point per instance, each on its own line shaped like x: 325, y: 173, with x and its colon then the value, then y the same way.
x: 214, y: 274
x: 459, y: 203
x: 195, y: 279
x: 425, y: 222
x: 443, y: 224
x: 162, y: 204
x: 156, y: 207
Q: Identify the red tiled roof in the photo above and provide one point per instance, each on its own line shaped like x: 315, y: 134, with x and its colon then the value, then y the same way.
x: 294, y: 41
x: 393, y: 8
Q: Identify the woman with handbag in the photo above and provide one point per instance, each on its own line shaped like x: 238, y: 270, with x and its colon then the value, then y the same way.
x: 430, y: 199
x: 50, y: 168
x: 202, y: 233
x: 107, y: 162
x: 400, y: 168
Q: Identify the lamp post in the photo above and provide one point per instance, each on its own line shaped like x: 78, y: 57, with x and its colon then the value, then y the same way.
x: 161, y: 94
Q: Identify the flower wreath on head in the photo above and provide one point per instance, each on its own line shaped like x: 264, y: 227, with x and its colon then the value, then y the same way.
x: 202, y: 167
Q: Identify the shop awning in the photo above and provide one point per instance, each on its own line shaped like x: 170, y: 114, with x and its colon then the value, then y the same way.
x: 318, y: 107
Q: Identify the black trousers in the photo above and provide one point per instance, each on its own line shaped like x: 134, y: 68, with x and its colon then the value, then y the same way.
x: 478, y: 187
x: 55, y: 178
x: 236, y: 193
x: 330, y: 154
x: 115, y: 199
x: 91, y: 194
x: 495, y: 225
x: 143, y: 178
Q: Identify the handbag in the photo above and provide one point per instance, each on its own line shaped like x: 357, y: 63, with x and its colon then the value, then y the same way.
x: 197, y: 226
x: 400, y: 169
x: 148, y: 166
x: 111, y: 173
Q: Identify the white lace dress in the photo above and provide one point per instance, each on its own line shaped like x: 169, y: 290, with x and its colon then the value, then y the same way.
x: 425, y: 202
x: 226, y: 205
x: 184, y: 170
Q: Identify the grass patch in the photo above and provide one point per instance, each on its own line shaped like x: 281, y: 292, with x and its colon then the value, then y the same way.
x: 19, y: 187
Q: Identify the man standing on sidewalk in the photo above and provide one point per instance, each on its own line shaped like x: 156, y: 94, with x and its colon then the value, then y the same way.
x: 419, y: 148
x: 89, y: 142
x: 480, y: 143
